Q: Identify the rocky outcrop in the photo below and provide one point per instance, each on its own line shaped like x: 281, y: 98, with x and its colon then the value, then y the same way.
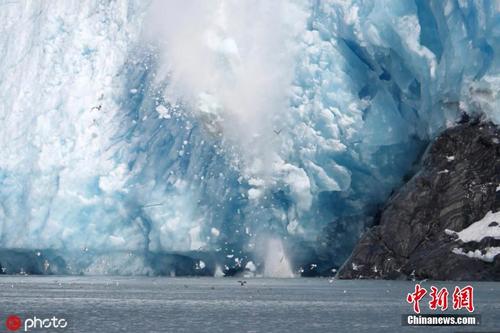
x: 457, y: 185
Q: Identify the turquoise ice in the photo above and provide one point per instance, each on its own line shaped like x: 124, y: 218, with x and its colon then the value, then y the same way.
x: 149, y: 127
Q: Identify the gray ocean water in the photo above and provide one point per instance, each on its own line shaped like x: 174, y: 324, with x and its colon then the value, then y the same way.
x: 120, y: 304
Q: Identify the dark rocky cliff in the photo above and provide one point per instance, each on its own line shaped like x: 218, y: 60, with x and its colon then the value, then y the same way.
x: 455, y: 187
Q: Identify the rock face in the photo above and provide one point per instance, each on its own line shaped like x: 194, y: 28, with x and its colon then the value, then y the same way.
x: 457, y: 185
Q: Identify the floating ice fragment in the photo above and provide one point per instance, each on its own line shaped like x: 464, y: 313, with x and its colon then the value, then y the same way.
x: 163, y: 112
x: 251, y: 266
x: 215, y: 232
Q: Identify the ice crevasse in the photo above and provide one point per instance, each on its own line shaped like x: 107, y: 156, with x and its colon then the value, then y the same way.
x: 129, y: 129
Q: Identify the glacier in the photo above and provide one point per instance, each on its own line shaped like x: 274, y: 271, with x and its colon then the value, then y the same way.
x: 202, y: 129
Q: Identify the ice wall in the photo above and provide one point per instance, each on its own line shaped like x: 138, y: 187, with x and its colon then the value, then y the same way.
x: 145, y: 127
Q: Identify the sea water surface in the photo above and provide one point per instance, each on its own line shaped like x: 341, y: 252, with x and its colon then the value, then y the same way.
x: 147, y: 304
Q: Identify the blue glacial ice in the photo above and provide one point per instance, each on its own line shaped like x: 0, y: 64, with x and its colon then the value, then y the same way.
x: 132, y: 128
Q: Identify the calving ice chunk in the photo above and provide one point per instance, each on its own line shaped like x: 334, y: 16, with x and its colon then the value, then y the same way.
x: 163, y: 112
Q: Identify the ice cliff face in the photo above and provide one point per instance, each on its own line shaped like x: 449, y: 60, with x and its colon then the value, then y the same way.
x: 209, y: 125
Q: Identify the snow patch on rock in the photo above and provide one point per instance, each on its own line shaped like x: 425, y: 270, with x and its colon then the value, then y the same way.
x: 480, y: 229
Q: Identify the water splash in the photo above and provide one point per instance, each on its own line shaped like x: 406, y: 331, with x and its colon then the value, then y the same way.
x: 276, y: 262
x: 218, y: 272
